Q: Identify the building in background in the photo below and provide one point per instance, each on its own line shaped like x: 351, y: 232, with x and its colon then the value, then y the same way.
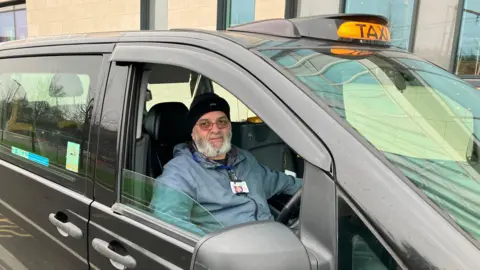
x: 57, y: 17
x: 13, y: 20
x: 207, y: 14
x: 446, y: 32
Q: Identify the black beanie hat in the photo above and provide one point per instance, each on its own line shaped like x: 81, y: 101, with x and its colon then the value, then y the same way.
x: 205, y: 103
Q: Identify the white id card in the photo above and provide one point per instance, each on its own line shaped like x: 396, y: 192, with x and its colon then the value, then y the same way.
x: 239, y: 187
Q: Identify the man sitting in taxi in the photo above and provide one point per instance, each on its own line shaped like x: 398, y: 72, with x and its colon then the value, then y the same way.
x: 226, y: 181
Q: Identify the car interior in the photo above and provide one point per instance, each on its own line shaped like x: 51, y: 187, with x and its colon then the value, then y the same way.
x: 159, y: 112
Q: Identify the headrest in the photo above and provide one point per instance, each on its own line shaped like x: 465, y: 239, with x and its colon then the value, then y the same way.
x: 166, y: 123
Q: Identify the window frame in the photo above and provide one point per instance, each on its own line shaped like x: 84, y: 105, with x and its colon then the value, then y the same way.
x: 133, y: 54
x: 413, y: 28
x: 456, y: 43
x: 11, y: 3
x: 224, y: 12
x: 13, y: 7
x: 342, y: 195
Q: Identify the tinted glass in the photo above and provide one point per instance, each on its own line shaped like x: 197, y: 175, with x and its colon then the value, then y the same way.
x: 171, y: 205
x: 45, y: 111
x: 399, y: 12
x: 110, y: 123
x: 241, y: 11
x: 468, y: 62
x: 358, y: 248
x: 422, y: 118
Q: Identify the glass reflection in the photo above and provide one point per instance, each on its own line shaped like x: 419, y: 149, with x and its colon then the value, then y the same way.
x: 468, y: 61
x: 7, y: 26
x: 399, y: 12
x: 20, y: 24
x: 422, y: 118
x: 13, y: 25
x: 241, y: 11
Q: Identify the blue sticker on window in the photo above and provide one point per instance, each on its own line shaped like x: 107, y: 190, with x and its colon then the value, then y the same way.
x: 30, y: 156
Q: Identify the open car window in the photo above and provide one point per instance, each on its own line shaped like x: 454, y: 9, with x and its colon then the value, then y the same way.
x: 166, y: 94
x: 169, y: 92
x: 169, y: 204
x: 239, y: 112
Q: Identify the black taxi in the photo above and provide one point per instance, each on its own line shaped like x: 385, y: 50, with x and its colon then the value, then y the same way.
x: 385, y: 142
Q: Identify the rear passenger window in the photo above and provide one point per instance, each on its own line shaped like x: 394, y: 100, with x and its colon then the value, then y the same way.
x: 45, y: 110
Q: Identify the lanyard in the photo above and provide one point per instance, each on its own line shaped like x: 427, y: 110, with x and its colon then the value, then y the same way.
x: 231, y: 173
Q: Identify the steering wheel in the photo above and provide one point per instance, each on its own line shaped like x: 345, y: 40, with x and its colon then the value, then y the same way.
x: 292, y: 205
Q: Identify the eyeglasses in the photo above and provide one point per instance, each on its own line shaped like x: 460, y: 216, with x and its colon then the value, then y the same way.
x: 208, y: 125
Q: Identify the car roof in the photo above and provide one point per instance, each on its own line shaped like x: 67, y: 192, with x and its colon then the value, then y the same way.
x: 266, y: 33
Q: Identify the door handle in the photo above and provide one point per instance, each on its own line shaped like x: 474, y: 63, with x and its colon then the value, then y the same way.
x: 66, y: 228
x: 103, y: 248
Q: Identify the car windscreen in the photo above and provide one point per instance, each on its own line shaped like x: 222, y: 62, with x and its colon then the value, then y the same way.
x: 422, y: 118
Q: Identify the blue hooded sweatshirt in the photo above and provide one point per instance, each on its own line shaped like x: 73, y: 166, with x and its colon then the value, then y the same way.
x: 194, y: 192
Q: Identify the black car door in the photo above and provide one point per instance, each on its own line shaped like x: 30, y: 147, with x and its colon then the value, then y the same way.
x: 46, y: 102
x: 122, y: 231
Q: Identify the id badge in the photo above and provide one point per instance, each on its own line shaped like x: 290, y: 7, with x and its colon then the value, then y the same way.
x: 239, y: 187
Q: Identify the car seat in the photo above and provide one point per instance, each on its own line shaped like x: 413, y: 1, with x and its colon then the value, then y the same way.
x: 165, y: 127
x: 267, y: 147
x: 269, y: 150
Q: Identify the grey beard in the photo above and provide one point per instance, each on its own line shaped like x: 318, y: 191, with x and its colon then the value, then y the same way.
x: 207, y: 149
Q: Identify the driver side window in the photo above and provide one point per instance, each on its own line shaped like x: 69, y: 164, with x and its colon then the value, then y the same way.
x: 170, y: 204
x: 168, y: 178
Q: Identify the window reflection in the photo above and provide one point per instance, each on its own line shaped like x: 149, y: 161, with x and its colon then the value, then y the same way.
x: 399, y: 12
x: 7, y: 26
x: 241, y: 11
x: 422, y: 118
x: 468, y: 61
x: 20, y: 24
x: 13, y: 25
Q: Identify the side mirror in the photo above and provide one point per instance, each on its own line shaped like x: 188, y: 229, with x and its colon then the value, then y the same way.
x: 260, y: 245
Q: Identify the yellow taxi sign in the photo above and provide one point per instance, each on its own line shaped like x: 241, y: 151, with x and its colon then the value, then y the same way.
x: 364, y: 31
x: 351, y: 52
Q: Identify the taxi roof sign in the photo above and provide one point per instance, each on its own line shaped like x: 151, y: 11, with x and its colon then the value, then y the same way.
x: 364, y: 30
x: 349, y: 52
x: 357, y: 28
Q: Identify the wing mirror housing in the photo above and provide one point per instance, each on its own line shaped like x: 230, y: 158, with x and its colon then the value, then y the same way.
x: 260, y: 245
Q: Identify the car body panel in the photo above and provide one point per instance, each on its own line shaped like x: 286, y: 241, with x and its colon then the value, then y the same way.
x: 26, y: 230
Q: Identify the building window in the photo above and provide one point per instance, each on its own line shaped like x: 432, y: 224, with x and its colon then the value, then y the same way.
x: 399, y: 12
x: 13, y: 23
x: 468, y: 56
x: 240, y: 11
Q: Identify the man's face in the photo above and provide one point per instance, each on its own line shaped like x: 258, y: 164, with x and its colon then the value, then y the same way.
x: 212, y: 134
